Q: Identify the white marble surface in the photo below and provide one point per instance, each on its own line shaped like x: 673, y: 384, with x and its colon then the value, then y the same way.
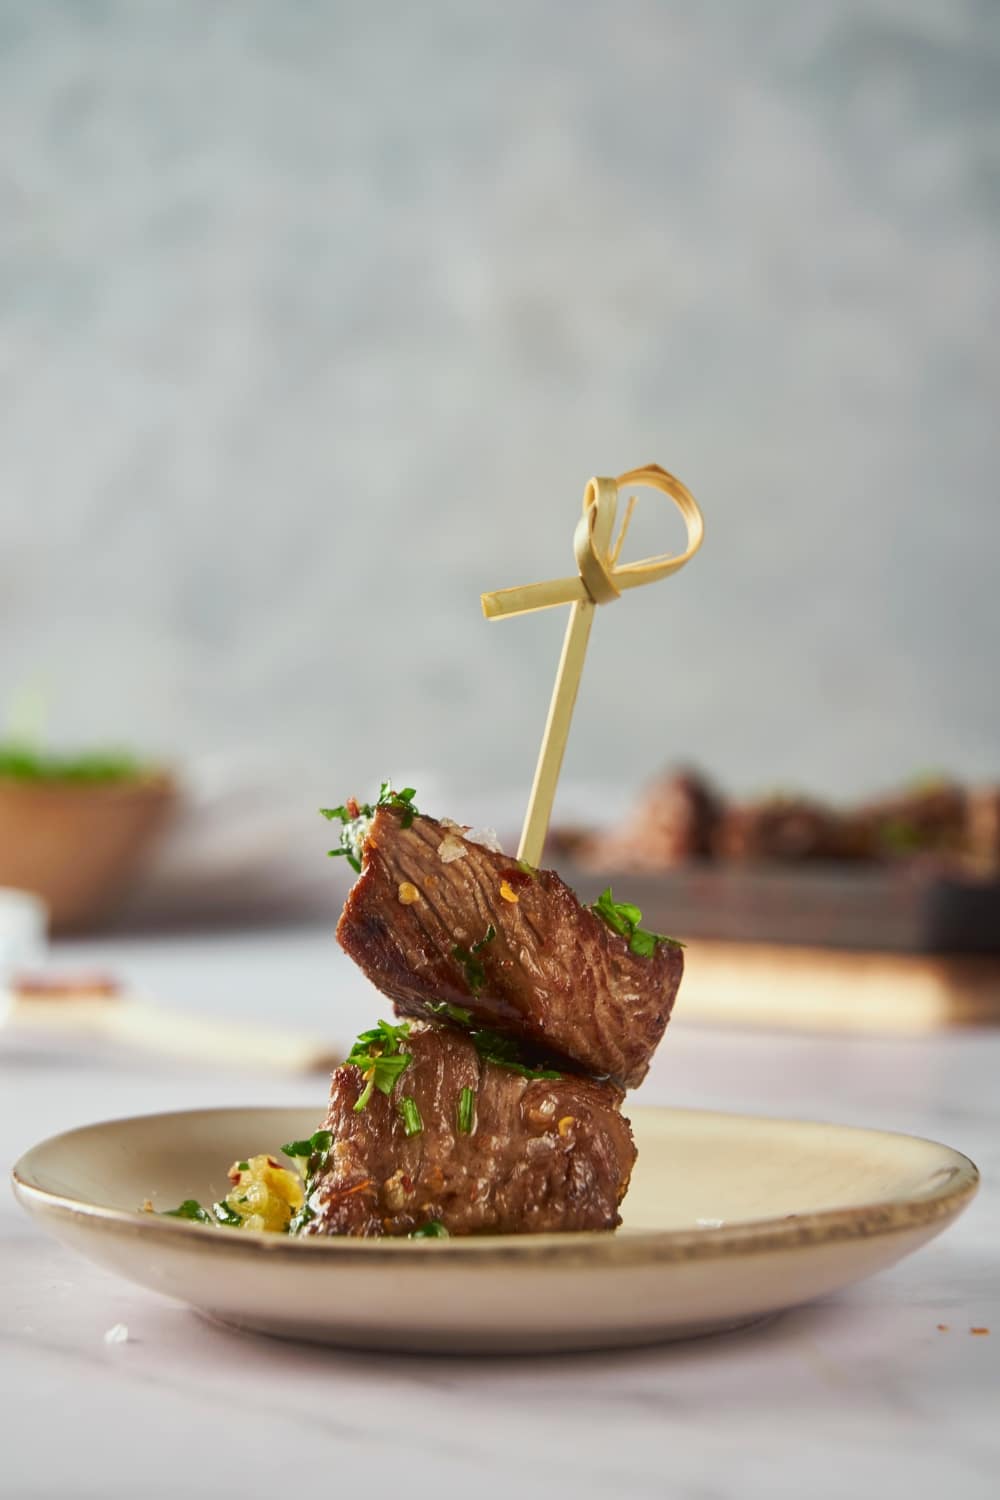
x: 852, y: 1397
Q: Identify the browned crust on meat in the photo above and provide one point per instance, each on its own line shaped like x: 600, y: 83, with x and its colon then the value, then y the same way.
x: 555, y: 975
x: 544, y: 1155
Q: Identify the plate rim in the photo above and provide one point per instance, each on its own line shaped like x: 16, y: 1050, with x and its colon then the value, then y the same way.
x: 876, y: 1219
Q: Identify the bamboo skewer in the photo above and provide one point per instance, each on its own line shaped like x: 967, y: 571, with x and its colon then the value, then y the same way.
x: 598, y: 581
x: 556, y: 733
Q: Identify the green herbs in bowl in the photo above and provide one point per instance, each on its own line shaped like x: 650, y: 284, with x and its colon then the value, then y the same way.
x: 75, y: 828
x: 23, y: 763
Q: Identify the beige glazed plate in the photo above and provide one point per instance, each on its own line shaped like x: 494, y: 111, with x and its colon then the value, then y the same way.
x: 729, y: 1218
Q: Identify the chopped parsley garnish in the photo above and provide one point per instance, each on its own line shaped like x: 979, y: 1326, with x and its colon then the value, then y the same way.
x: 382, y: 1075
x: 401, y: 801
x: 432, y: 1230
x: 225, y: 1214
x: 243, y: 1166
x: 412, y: 1123
x: 377, y: 1053
x: 25, y: 763
x: 457, y: 1013
x: 381, y: 1041
x: 314, y: 1152
x: 475, y: 974
x: 466, y: 1111
x: 346, y: 845
x: 192, y: 1209
x: 189, y: 1209
x: 351, y: 813
x: 624, y: 918
x: 301, y: 1217
x: 493, y: 1047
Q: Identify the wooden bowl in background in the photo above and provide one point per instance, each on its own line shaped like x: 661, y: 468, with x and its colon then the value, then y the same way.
x: 76, y: 844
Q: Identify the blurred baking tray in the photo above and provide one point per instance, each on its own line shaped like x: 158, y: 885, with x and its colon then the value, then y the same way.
x: 918, y: 909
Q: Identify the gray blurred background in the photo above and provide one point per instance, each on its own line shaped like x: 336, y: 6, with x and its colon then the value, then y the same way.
x: 316, y: 318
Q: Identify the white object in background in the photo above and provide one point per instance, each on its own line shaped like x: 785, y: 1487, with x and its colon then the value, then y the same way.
x: 131, y: 1021
x: 24, y: 921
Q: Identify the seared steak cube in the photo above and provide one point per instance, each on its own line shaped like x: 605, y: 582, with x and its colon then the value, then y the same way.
x: 674, y: 822
x: 451, y: 930
x: 469, y: 1145
x: 982, y: 827
x: 785, y: 829
x: 923, y: 819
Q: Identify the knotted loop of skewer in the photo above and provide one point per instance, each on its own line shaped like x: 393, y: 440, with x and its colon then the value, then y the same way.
x: 599, y: 580
x: 595, y: 556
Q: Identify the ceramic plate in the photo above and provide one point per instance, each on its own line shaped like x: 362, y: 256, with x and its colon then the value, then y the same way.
x: 729, y: 1219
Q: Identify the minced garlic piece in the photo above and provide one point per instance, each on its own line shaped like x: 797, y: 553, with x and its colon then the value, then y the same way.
x: 355, y: 835
x: 395, y: 1190
x: 407, y: 893
x: 264, y: 1194
x: 450, y: 849
x: 508, y: 893
x: 487, y: 837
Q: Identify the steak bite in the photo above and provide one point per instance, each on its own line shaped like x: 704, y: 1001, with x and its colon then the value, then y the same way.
x: 927, y: 818
x: 467, y: 1143
x: 451, y: 930
x: 675, y: 821
x: 982, y: 827
x: 783, y: 829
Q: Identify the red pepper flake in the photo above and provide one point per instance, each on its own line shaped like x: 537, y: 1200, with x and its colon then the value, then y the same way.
x: 944, y: 1328
x: 351, y: 808
x: 358, y: 1187
x: 979, y: 1331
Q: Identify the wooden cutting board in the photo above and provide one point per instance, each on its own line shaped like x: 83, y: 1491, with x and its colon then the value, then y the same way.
x: 886, y: 909
x: 820, y: 989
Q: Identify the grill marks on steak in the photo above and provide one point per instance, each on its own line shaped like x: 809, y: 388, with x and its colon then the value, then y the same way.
x: 554, y: 975
x: 544, y: 1154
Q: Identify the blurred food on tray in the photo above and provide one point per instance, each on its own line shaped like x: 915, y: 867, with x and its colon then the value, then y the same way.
x: 681, y: 817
